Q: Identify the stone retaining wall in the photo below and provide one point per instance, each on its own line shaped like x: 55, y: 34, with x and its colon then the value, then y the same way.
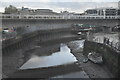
x: 110, y: 56
x: 33, y: 37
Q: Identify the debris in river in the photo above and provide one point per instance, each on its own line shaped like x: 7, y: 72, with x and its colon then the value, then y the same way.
x: 95, y: 57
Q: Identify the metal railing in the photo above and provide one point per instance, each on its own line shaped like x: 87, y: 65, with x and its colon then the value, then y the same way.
x: 11, y: 16
x: 106, y: 41
x: 114, y: 45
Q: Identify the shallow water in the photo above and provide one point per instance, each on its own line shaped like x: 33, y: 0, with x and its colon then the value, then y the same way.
x: 58, y: 58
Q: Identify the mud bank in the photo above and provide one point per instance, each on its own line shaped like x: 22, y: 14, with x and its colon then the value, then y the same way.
x: 46, y: 72
x: 79, y: 49
x: 110, y: 56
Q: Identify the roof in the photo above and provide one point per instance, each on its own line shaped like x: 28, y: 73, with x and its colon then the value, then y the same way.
x: 102, y: 8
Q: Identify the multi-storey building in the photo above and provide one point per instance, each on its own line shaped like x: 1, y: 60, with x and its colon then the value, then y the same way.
x: 118, y: 11
x: 102, y: 11
x: 119, y: 4
x: 91, y: 12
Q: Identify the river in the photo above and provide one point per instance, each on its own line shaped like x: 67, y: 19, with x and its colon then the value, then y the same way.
x: 64, y: 56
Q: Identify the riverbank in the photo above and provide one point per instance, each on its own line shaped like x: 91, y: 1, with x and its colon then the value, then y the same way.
x: 93, y: 70
x: 111, y: 39
x: 106, y: 44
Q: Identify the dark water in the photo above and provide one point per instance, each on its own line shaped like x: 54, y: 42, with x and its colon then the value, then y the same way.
x: 64, y: 56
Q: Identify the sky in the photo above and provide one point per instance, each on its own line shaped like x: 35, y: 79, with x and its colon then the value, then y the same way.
x: 77, y: 6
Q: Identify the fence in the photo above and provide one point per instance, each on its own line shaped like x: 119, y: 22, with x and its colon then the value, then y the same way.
x: 108, y: 42
x: 11, y: 16
x: 111, y: 43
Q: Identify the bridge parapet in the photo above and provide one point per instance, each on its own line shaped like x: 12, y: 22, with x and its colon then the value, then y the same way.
x: 11, y: 16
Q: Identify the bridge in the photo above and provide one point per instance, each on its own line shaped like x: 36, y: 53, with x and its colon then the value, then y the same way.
x: 12, y: 16
x: 52, y: 21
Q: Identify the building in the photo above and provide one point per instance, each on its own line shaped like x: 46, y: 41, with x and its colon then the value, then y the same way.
x: 102, y: 11
x: 119, y: 4
x: 27, y: 11
x: 91, y: 12
x: 45, y: 12
x: 111, y: 11
x: 118, y: 11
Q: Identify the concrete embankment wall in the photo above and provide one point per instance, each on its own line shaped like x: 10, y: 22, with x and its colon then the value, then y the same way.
x: 34, y: 38
x: 110, y: 56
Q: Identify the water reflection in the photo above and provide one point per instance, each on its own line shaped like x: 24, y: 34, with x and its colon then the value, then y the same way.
x: 58, y: 58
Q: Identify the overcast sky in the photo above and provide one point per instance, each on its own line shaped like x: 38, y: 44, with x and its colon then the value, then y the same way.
x: 60, y: 5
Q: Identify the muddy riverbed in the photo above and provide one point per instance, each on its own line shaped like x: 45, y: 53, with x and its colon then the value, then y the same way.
x: 58, y: 60
x: 13, y: 61
x: 57, y: 63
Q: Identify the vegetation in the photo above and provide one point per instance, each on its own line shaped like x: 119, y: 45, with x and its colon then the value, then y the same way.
x: 11, y: 9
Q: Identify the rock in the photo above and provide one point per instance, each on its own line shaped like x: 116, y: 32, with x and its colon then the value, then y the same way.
x: 85, y: 60
x: 95, y: 57
x: 82, y: 58
x: 76, y: 46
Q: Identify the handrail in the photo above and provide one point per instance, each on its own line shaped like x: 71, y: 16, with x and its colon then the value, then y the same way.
x: 11, y: 16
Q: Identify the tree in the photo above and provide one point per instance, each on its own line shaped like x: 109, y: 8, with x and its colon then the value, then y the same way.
x: 11, y: 9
